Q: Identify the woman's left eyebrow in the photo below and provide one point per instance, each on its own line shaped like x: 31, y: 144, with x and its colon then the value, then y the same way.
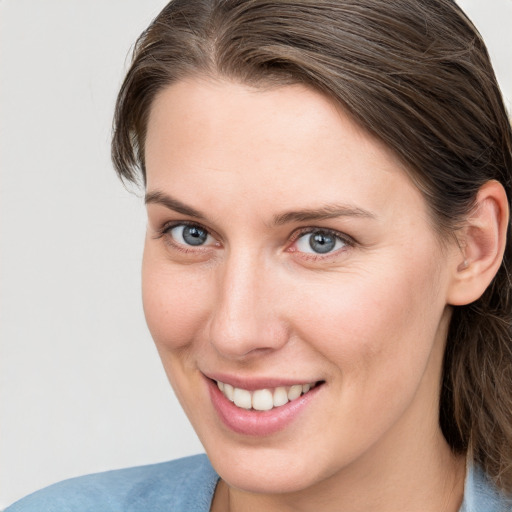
x: 322, y: 213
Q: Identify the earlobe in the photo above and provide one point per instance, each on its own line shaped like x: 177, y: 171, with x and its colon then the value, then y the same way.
x: 482, y: 243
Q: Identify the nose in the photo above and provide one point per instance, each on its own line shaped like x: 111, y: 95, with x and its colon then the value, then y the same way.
x: 246, y: 318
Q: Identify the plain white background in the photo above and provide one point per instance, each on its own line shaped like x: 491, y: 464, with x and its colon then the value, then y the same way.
x: 81, y: 387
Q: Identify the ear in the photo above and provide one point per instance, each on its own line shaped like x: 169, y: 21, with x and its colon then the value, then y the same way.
x: 482, y: 243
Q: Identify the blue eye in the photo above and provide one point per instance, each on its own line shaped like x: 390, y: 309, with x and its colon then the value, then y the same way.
x: 319, y: 242
x: 190, y: 234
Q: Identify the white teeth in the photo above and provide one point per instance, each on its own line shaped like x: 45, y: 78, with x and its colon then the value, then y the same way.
x: 295, y: 392
x: 263, y: 399
x: 242, y: 398
x: 229, y: 391
x: 280, y: 397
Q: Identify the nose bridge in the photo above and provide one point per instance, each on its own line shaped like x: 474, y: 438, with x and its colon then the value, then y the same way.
x: 243, y: 319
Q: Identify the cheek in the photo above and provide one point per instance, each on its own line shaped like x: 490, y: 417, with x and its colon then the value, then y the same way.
x: 174, y: 302
x: 378, y: 336
x: 379, y: 325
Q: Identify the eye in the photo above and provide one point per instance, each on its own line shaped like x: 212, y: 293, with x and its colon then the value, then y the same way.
x: 190, y: 234
x: 320, y: 241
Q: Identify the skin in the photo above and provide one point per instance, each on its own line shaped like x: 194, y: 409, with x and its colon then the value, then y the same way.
x: 369, y: 319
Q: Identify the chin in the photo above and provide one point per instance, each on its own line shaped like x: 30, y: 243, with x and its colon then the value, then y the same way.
x: 265, y: 471
x: 267, y: 481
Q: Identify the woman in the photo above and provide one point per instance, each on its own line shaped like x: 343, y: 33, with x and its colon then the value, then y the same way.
x: 326, y: 264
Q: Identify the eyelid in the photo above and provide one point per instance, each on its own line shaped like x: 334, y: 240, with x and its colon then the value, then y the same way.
x: 165, y: 229
x: 346, y: 239
x: 311, y: 229
x: 168, y: 226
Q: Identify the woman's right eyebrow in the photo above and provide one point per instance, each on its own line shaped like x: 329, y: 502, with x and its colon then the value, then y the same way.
x: 158, y: 197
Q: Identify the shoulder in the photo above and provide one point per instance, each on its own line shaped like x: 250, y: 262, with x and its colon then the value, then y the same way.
x: 481, y: 494
x: 184, y: 484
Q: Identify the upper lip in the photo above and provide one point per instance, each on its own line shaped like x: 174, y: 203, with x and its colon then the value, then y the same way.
x: 254, y: 383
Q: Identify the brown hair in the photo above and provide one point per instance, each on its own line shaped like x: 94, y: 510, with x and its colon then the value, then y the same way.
x: 416, y: 74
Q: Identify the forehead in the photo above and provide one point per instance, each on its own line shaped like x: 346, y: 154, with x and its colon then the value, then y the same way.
x: 290, y: 140
x: 201, y: 106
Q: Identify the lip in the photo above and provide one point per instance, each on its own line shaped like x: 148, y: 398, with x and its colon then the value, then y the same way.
x: 257, y: 423
x: 252, y: 384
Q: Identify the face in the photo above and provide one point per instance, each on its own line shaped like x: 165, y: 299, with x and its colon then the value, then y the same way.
x: 290, y: 265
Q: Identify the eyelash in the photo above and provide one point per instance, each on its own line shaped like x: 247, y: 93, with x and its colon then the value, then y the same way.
x: 344, y: 238
x: 164, y: 232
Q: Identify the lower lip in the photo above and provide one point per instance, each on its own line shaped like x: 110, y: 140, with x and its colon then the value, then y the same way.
x: 258, y: 423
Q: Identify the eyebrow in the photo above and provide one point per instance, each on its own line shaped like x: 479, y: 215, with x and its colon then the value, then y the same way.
x: 326, y: 212
x: 158, y: 197
x: 308, y: 215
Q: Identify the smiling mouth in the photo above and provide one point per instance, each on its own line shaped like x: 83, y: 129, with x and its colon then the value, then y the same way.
x: 264, y: 399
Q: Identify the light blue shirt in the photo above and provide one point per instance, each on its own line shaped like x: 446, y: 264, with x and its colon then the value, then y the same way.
x: 480, y: 495
x: 186, y: 485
